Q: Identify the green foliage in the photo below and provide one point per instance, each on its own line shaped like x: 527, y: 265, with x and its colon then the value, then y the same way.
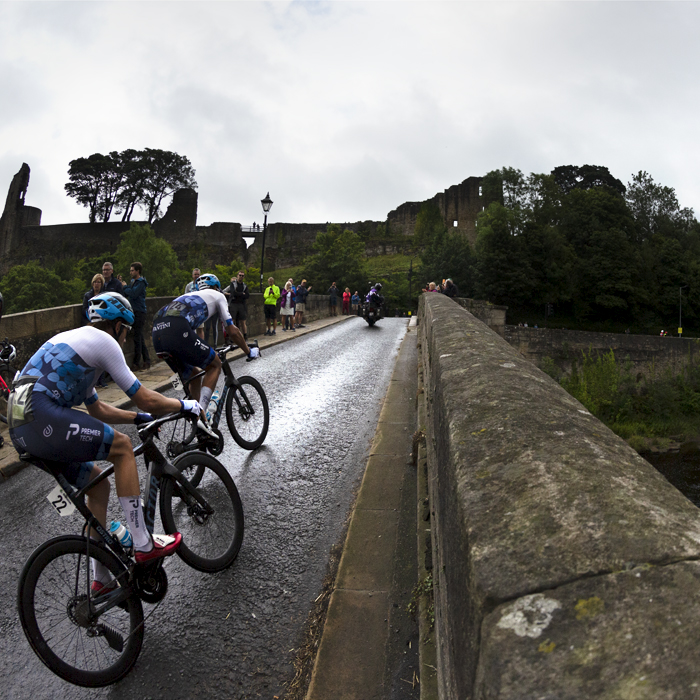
x: 429, y: 224
x: 160, y: 265
x: 448, y: 255
x: 121, y: 181
x: 32, y: 286
x: 338, y: 257
x: 657, y: 408
x: 423, y: 589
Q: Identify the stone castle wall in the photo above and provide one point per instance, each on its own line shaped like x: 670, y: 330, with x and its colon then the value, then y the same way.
x: 23, y: 238
x: 459, y: 203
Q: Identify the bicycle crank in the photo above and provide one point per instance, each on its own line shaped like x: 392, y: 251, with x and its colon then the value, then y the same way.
x: 151, y: 583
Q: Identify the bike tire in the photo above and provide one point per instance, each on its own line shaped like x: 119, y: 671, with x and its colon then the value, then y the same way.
x: 210, y: 541
x: 248, y: 427
x: 52, y: 587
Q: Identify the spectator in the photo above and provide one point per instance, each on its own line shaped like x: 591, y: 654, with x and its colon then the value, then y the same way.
x: 97, y: 287
x: 300, y: 303
x: 191, y: 286
x: 355, y: 301
x: 112, y: 284
x: 432, y: 287
x: 238, y: 294
x: 346, y: 301
x: 450, y: 289
x: 136, y: 294
x: 294, y: 288
x: 333, y: 293
x: 287, y: 309
x: 270, y: 296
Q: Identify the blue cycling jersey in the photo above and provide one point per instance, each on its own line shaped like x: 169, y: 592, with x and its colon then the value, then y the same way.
x: 197, y: 307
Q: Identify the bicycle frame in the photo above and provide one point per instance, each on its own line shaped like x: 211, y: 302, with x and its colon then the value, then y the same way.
x: 158, y: 469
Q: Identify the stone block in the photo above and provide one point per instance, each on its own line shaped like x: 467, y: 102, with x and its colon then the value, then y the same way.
x: 350, y: 661
x: 381, y: 483
x: 632, y: 634
x: 370, y: 545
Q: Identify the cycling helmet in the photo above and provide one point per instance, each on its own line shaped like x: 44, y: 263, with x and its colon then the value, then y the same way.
x: 110, y: 306
x: 208, y: 281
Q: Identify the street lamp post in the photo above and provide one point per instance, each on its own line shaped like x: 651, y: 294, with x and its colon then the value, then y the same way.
x: 680, y: 310
x: 266, y: 204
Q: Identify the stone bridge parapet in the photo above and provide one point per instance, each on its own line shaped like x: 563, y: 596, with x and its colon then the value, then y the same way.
x: 28, y: 331
x: 564, y: 565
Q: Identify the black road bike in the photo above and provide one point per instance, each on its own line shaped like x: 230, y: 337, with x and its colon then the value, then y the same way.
x: 247, y: 413
x: 94, y: 639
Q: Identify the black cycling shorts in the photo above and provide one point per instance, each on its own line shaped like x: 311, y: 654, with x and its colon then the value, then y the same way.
x: 180, y: 346
x: 237, y: 311
x: 61, y: 434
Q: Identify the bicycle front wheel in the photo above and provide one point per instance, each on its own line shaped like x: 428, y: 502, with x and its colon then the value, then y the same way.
x: 212, y: 524
x: 75, y: 641
x: 247, y: 413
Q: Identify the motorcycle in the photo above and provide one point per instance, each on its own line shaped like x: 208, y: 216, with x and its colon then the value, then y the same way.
x: 372, y: 311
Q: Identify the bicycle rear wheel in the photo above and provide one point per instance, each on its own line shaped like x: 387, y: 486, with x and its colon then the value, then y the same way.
x: 77, y: 644
x: 212, y: 531
x: 247, y: 413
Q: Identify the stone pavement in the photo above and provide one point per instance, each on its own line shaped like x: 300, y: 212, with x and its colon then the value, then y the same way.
x: 157, y: 378
x: 369, y: 646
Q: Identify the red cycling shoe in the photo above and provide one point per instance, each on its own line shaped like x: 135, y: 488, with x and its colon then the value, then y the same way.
x: 163, y: 546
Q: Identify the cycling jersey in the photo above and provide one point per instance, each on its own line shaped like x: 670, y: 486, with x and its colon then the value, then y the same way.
x: 196, y: 307
x: 59, y: 376
x: 67, y: 366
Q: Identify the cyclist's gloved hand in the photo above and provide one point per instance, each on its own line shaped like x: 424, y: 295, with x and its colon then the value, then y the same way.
x: 253, y: 354
x: 191, y: 406
x: 141, y: 418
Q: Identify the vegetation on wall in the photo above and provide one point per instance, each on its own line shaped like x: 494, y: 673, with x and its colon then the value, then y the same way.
x: 661, y: 406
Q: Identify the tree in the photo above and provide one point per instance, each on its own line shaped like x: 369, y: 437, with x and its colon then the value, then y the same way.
x: 503, y: 271
x: 449, y: 255
x: 95, y: 182
x: 655, y: 209
x: 160, y: 265
x: 163, y: 173
x: 570, y: 177
x: 122, y: 181
x: 33, y: 286
x: 338, y: 257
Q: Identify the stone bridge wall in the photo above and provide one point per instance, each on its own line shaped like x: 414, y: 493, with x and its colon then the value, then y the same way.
x: 29, y: 330
x: 565, y: 565
x: 650, y: 355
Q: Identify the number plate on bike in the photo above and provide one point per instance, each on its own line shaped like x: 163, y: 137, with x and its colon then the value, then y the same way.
x: 58, y: 499
x: 175, y: 380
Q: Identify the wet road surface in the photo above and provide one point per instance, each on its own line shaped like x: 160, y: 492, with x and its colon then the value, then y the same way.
x: 234, y: 634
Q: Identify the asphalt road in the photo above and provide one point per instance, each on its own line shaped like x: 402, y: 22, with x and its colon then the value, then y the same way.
x: 234, y: 634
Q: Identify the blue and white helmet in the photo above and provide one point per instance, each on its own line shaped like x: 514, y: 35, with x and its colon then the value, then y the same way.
x: 110, y: 306
x: 208, y: 281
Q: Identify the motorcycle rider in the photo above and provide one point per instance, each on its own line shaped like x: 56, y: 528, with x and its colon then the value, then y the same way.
x: 374, y: 298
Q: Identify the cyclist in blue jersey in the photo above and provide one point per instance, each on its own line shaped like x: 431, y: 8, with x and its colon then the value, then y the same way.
x: 176, y: 340
x: 60, y: 376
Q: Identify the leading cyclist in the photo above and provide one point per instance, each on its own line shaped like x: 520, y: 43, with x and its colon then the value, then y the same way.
x: 175, y: 338
x: 61, y: 375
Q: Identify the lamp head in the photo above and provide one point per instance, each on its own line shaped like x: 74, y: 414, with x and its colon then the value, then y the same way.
x: 266, y: 203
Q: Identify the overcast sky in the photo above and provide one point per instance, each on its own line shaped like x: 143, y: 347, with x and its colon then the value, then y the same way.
x: 345, y: 110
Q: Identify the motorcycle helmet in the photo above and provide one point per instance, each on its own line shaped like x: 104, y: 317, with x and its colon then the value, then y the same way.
x: 378, y: 287
x: 110, y: 306
x: 208, y: 281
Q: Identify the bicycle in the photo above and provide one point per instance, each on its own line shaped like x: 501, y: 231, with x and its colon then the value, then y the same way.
x: 94, y: 640
x: 7, y: 375
x: 247, y: 412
